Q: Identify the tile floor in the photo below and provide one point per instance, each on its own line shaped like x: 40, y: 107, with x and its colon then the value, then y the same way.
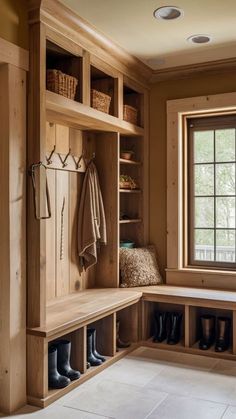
x: 151, y: 384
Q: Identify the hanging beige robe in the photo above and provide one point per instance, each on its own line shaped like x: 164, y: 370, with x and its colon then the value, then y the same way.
x: 92, y: 222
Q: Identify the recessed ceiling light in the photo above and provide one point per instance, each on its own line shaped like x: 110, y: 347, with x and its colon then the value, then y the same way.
x: 199, y: 39
x: 168, y: 13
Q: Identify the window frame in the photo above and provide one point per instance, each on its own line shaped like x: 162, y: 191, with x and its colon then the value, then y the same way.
x: 178, y: 272
x: 201, y: 123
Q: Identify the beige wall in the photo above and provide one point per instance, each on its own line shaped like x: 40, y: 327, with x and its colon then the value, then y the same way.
x: 13, y: 22
x: 160, y: 93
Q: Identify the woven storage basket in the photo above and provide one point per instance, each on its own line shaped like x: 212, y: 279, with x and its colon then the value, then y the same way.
x: 130, y: 114
x: 61, y: 83
x: 100, y: 101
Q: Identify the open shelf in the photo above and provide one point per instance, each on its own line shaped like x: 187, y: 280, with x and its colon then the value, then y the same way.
x: 130, y: 162
x: 130, y: 190
x: 134, y: 221
x: 76, y: 115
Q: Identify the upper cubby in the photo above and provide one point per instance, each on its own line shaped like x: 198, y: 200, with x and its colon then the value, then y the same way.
x: 133, y: 106
x: 102, y: 91
x: 58, y: 58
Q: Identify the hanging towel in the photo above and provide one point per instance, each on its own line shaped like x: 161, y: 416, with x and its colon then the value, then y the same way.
x: 92, y: 222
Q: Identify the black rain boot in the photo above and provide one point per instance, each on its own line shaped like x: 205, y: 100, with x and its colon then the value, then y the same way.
x: 94, y: 350
x: 94, y: 362
x: 208, y: 332
x: 55, y: 380
x: 223, y: 334
x: 119, y: 342
x: 160, y: 326
x: 175, y: 328
x: 63, y: 360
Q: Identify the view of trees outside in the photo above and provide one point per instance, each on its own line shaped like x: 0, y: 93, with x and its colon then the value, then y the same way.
x: 214, y: 195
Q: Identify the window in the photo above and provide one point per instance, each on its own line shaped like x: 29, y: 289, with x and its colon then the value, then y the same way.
x: 211, y: 152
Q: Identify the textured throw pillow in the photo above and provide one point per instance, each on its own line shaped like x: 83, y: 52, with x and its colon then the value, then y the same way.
x: 138, y: 267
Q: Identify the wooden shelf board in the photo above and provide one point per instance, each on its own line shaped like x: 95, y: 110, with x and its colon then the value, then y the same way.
x: 92, y: 371
x: 76, y: 310
x: 130, y: 162
x: 130, y: 190
x: 193, y: 350
x: 59, y: 109
x: 132, y: 221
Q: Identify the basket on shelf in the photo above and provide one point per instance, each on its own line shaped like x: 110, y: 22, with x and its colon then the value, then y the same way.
x: 100, y: 101
x: 130, y: 114
x: 61, y: 83
x: 127, y: 182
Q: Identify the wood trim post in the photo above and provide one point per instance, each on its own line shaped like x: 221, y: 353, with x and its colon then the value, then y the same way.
x: 12, y: 246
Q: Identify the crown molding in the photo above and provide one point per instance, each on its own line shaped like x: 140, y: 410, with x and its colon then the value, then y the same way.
x: 62, y: 19
x: 187, y: 71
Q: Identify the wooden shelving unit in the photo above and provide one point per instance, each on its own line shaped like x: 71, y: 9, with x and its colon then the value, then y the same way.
x: 63, y: 299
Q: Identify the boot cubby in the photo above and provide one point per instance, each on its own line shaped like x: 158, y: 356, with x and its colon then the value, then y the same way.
x: 127, y: 327
x: 164, y: 324
x: 211, y: 330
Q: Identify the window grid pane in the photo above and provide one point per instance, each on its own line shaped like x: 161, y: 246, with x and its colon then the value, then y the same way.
x: 214, y: 194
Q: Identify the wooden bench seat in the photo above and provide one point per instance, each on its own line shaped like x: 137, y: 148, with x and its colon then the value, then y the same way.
x: 77, y: 310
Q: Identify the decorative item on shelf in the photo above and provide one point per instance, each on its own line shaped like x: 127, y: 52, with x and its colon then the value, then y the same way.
x: 100, y: 101
x: 61, y: 83
x: 217, y: 331
x: 127, y: 182
x: 138, y: 267
x: 126, y: 154
x: 93, y: 357
x: 130, y: 114
x: 119, y: 342
x: 128, y: 244
x: 60, y: 373
x: 167, y: 326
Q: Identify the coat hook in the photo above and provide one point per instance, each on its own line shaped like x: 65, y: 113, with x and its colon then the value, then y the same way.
x: 64, y: 164
x: 77, y: 163
x: 49, y: 159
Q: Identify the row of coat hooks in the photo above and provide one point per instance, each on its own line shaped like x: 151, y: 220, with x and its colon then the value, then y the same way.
x: 64, y: 159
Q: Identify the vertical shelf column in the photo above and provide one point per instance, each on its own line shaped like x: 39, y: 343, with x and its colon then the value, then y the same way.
x: 79, y: 349
x: 36, y: 152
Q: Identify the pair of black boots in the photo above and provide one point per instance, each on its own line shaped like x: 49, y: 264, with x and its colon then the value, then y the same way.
x: 93, y: 357
x: 167, y: 326
x: 60, y: 373
x: 215, y: 331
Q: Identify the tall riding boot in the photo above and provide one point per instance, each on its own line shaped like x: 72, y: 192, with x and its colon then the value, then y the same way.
x: 175, y: 328
x: 223, y: 334
x: 55, y: 380
x: 119, y: 342
x: 63, y: 360
x: 208, y: 332
x: 160, y: 326
x: 95, y: 352
x: 94, y: 362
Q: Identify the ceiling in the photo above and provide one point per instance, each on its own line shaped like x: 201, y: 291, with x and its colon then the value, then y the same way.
x: 159, y: 43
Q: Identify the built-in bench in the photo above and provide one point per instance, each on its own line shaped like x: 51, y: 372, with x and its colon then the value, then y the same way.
x: 135, y: 308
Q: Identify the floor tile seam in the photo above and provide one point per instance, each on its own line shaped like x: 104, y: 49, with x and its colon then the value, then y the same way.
x: 88, y: 411
x: 156, y: 405
x: 222, y: 417
x: 189, y: 396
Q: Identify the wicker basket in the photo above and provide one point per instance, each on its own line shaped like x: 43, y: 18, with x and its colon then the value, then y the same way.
x: 130, y: 114
x: 61, y: 83
x: 100, y: 101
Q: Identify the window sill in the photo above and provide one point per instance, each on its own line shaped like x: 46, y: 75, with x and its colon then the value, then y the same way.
x: 206, y: 278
